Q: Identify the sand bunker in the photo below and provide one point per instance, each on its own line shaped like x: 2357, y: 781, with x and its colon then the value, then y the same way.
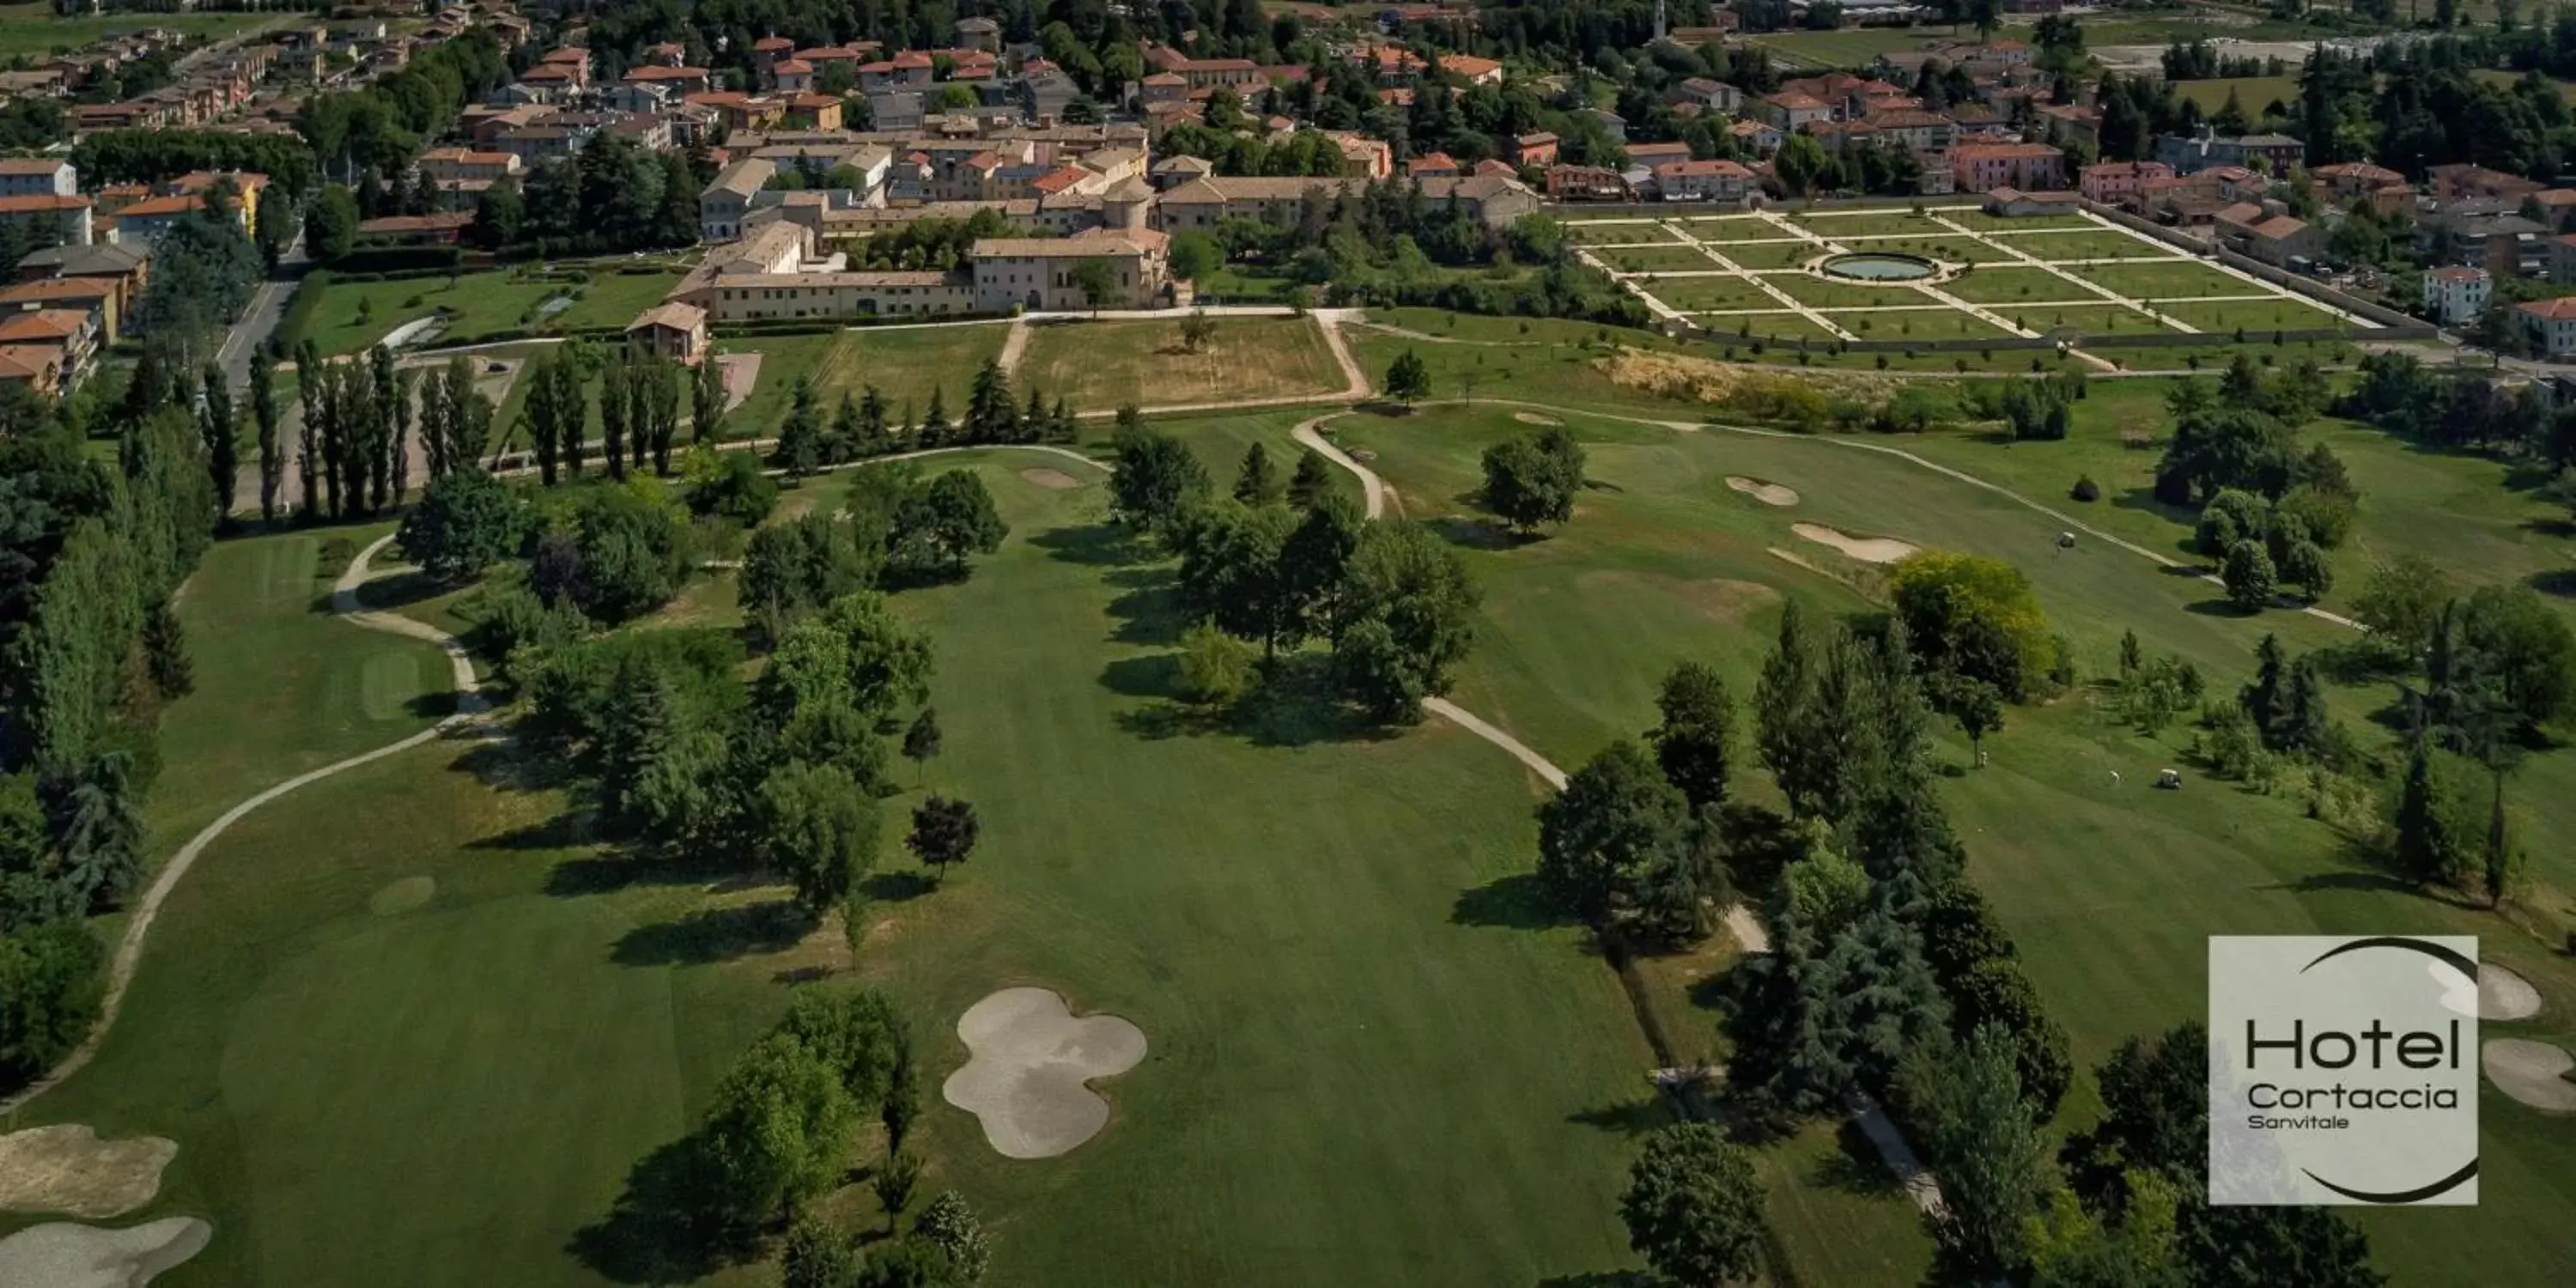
x: 1535, y: 418
x: 63, y: 1255
x: 1877, y: 550
x: 1047, y: 478
x: 2501, y: 994
x: 1031, y: 1059
x: 401, y: 896
x: 1766, y: 493
x: 66, y: 1168
x: 2534, y: 1073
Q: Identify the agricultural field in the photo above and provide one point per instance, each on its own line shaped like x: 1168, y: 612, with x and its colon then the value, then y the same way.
x: 2002, y: 276
x: 907, y: 364
x: 34, y: 30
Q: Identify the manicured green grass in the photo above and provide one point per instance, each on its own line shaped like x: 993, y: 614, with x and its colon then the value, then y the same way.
x: 1657, y: 259
x: 35, y: 31
x: 2009, y: 284
x: 1299, y: 921
x: 1866, y: 223
x: 281, y: 685
x: 1614, y: 231
x: 1109, y: 364
x: 1976, y: 219
x: 1691, y: 294
x: 907, y: 363
x: 1855, y: 48
x: 2109, y: 892
x: 2253, y: 93
x: 1776, y: 254
x: 1726, y: 228
x: 1946, y: 247
x: 1924, y: 324
x: 2057, y: 246
x: 479, y: 305
x: 2283, y: 313
x: 2162, y: 280
x: 2084, y: 319
x: 1775, y: 326
x: 1817, y: 292
x: 1238, y: 282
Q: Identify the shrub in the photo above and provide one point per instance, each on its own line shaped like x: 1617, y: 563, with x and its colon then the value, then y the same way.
x: 1216, y: 668
x: 2086, y: 489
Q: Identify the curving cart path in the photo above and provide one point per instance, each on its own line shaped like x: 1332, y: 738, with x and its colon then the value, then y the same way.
x: 147, y: 909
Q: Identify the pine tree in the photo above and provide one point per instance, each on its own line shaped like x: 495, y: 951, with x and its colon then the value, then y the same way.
x: 612, y: 416
x: 541, y: 416
x: 873, y: 438
x: 1781, y: 705
x: 380, y: 421
x: 263, y: 412
x: 1312, y: 480
x: 800, y: 439
x: 1255, y: 481
x: 1034, y: 423
x: 223, y: 440
x: 2426, y: 849
x: 989, y: 413
x: 406, y: 388
x: 572, y: 414
x: 934, y: 422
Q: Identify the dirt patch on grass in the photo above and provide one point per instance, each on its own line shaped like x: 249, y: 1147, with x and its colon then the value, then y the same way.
x: 1719, y: 598
x: 1766, y: 493
x: 1877, y: 550
x: 63, y: 1255
x: 1535, y: 418
x: 66, y: 1168
x: 401, y: 896
x: 2534, y: 1073
x: 1668, y: 375
x: 1054, y: 480
x: 1033, y: 1059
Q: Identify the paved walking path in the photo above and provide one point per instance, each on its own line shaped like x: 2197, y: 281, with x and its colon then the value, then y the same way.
x: 147, y: 910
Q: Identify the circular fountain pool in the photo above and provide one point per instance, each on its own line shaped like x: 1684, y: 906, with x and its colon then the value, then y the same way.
x: 1880, y: 267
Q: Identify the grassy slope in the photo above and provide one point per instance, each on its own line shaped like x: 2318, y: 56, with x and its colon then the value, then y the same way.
x: 1106, y: 364
x: 34, y: 30
x: 281, y: 687
x: 1282, y: 921
x: 2108, y: 892
x: 906, y: 363
x: 479, y: 304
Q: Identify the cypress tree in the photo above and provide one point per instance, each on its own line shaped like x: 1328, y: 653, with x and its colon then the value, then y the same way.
x: 263, y: 411
x: 223, y: 442
x: 612, y: 416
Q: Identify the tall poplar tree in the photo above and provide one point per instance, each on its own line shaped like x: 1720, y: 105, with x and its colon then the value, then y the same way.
x: 223, y: 443
x: 263, y: 414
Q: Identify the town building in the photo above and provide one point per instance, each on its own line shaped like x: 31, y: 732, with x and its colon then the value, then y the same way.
x: 2550, y: 325
x: 2455, y: 295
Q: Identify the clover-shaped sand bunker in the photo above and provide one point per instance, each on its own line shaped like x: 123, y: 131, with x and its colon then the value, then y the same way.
x: 64, y: 1255
x: 66, y: 1168
x: 1031, y: 1057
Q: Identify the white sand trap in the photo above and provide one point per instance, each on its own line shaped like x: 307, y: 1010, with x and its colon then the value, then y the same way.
x: 1535, y: 418
x: 1047, y: 478
x: 2501, y: 994
x: 2534, y: 1073
x: 401, y: 896
x: 66, y: 1168
x: 1031, y: 1059
x: 1877, y: 550
x: 63, y: 1255
x: 1766, y: 493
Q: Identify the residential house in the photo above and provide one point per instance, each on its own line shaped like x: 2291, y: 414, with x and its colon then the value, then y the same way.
x: 2455, y: 295
x: 1433, y: 165
x: 1714, y: 95
x: 2027, y: 166
x: 2114, y: 182
x: 39, y: 367
x: 2265, y: 232
x: 980, y: 33
x: 2464, y: 180
x: 2276, y: 153
x: 2486, y: 232
x: 672, y: 330
x: 2013, y: 203
x: 38, y: 177
x: 69, y: 217
x: 1471, y: 69
x: 442, y: 229
x: 1586, y: 183
x: 99, y: 295
x: 125, y: 268
x: 2562, y: 259
x: 2346, y: 181
x: 1720, y: 181
x: 2550, y: 325
x: 724, y: 202
x: 1534, y: 149
x: 1791, y: 112
x: 74, y: 332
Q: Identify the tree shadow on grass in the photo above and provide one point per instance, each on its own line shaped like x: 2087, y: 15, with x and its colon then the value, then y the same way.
x: 1631, y: 1118
x: 658, y: 1231
x: 2555, y: 581
x: 399, y: 591
x: 1477, y: 533
x: 1603, y: 1279
x: 1295, y: 705
x: 1855, y: 1167
x: 508, y: 764
x: 561, y: 832
x: 1149, y: 612
x: 1514, y: 902
x: 895, y: 887
x: 1097, y: 545
x: 714, y: 935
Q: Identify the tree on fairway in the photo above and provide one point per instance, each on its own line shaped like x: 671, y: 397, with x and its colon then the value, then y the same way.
x: 2249, y: 576
x: 1256, y: 482
x: 1695, y: 743
x: 1157, y: 479
x: 953, y: 1226
x: 939, y: 525
x: 800, y: 438
x: 1312, y: 479
x: 1694, y: 1206
x: 707, y: 401
x: 466, y: 522
x: 1407, y: 617
x: 779, y: 1129
x: 1965, y: 1102
x: 1532, y: 481
x: 263, y: 414
x: 894, y: 1182
x: 1196, y: 330
x: 1975, y: 704
x: 1407, y: 378
x: 921, y: 741
x: 943, y: 832
x: 1596, y: 839
x: 818, y: 828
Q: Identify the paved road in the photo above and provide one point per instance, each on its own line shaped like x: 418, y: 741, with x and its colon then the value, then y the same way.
x: 259, y: 321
